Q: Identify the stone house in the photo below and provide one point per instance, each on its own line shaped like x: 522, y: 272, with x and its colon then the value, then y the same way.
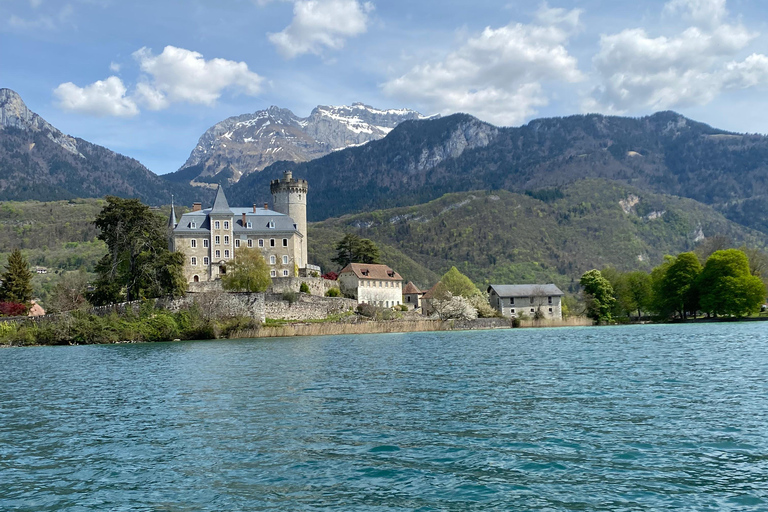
x: 533, y: 300
x: 210, y: 238
x: 373, y: 284
x: 412, y: 295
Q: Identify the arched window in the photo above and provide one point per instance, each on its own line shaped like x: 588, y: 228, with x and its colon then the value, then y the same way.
x: 272, y: 260
x: 285, y: 259
x: 196, y: 279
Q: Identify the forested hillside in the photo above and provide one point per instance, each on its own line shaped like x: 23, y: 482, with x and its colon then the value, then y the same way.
x: 551, y: 235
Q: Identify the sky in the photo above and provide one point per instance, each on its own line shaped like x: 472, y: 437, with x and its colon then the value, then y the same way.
x: 147, y: 78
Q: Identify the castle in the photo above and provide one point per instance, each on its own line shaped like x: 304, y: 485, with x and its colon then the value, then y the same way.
x: 210, y: 238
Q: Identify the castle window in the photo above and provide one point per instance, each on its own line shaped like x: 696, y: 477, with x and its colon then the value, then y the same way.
x: 193, y: 243
x: 532, y: 310
x: 285, y: 260
x: 271, y: 224
x: 250, y: 243
x: 285, y: 242
x: 273, y: 273
x: 261, y: 242
x: 217, y: 225
x: 226, y: 224
x: 222, y: 270
x: 272, y: 260
x: 512, y: 301
x: 249, y: 225
x: 218, y: 254
x: 226, y: 240
x: 217, y: 240
x: 549, y: 300
x: 550, y: 310
x: 205, y: 243
x: 512, y: 311
x: 226, y: 254
x: 285, y: 273
x: 237, y: 243
x: 531, y: 300
x: 193, y: 225
x: 271, y: 242
x: 194, y: 260
x: 205, y: 261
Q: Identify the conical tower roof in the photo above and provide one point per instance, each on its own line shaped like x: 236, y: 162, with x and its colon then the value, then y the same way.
x: 220, y: 205
x: 172, y: 218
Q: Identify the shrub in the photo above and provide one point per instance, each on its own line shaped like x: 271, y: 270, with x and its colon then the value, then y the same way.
x: 331, y: 276
x: 13, y: 309
x: 161, y: 327
x: 403, y: 307
x: 333, y: 292
x: 290, y: 297
x: 304, y: 288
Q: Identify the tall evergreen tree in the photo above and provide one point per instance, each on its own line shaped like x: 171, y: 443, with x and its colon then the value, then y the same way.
x: 353, y: 249
x: 138, y: 264
x: 17, y: 280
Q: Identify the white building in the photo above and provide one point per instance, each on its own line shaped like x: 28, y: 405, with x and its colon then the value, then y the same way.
x: 378, y: 285
x: 533, y: 300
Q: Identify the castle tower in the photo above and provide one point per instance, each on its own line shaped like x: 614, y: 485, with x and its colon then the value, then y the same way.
x: 289, y: 196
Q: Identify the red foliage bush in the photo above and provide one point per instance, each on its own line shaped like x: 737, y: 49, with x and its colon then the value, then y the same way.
x: 331, y: 276
x: 12, y: 309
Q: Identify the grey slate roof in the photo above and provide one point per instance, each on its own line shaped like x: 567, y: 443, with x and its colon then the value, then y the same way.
x: 525, y: 290
x: 220, y: 204
x: 259, y: 222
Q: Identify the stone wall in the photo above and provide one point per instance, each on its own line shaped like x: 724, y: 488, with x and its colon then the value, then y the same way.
x: 306, y: 307
x: 317, y: 285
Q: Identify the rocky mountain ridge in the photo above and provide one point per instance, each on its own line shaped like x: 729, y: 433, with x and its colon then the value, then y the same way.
x: 39, y: 162
x: 248, y: 143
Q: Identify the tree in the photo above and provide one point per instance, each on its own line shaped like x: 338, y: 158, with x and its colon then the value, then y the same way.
x: 459, y: 284
x: 138, y: 263
x: 353, y: 249
x: 599, y: 296
x: 679, y: 284
x: 712, y: 244
x: 69, y: 293
x: 727, y: 287
x: 16, y: 284
x: 448, y: 306
x: 638, y: 288
x: 623, y: 305
x: 247, y: 272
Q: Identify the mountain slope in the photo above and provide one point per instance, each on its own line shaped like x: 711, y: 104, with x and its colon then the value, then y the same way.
x: 664, y: 153
x: 248, y: 143
x: 503, y: 237
x: 38, y: 161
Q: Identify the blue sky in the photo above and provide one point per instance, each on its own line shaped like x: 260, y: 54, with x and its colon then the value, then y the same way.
x: 147, y: 78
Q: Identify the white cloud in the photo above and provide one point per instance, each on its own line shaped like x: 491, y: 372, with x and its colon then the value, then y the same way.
x: 176, y: 75
x: 114, y: 67
x: 498, y: 74
x: 321, y: 23
x: 101, y: 98
x: 690, y: 68
x: 183, y: 75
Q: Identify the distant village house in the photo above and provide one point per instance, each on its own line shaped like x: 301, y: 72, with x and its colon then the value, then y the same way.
x: 377, y: 285
x: 542, y: 301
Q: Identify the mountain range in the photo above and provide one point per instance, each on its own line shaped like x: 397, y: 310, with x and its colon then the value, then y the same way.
x: 241, y: 145
x: 38, y: 161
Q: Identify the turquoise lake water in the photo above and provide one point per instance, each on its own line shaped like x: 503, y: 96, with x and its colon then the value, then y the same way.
x: 618, y: 418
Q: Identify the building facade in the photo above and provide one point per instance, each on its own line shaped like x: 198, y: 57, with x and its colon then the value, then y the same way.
x: 210, y: 238
x: 412, y: 295
x: 377, y: 285
x: 543, y: 301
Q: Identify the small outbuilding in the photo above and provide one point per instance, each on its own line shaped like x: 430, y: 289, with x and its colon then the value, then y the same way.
x: 540, y: 301
x: 373, y: 284
x: 412, y: 295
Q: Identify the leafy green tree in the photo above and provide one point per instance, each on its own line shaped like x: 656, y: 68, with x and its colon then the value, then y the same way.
x: 679, y: 286
x: 459, y: 284
x: 599, y: 296
x: 353, y: 249
x: 247, y: 272
x: 138, y: 263
x: 623, y: 305
x: 16, y: 284
x: 727, y: 287
x: 639, y: 292
x: 659, y: 303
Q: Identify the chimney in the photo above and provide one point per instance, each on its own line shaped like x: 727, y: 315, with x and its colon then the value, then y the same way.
x: 254, y: 208
x: 196, y: 207
x: 266, y: 206
x: 244, y: 224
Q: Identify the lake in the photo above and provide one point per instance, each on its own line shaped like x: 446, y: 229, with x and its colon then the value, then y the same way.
x: 616, y: 418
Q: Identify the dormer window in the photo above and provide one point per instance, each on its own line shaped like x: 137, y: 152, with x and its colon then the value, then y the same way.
x: 249, y: 225
x: 193, y: 225
x: 364, y: 272
x: 271, y: 224
x: 390, y: 273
